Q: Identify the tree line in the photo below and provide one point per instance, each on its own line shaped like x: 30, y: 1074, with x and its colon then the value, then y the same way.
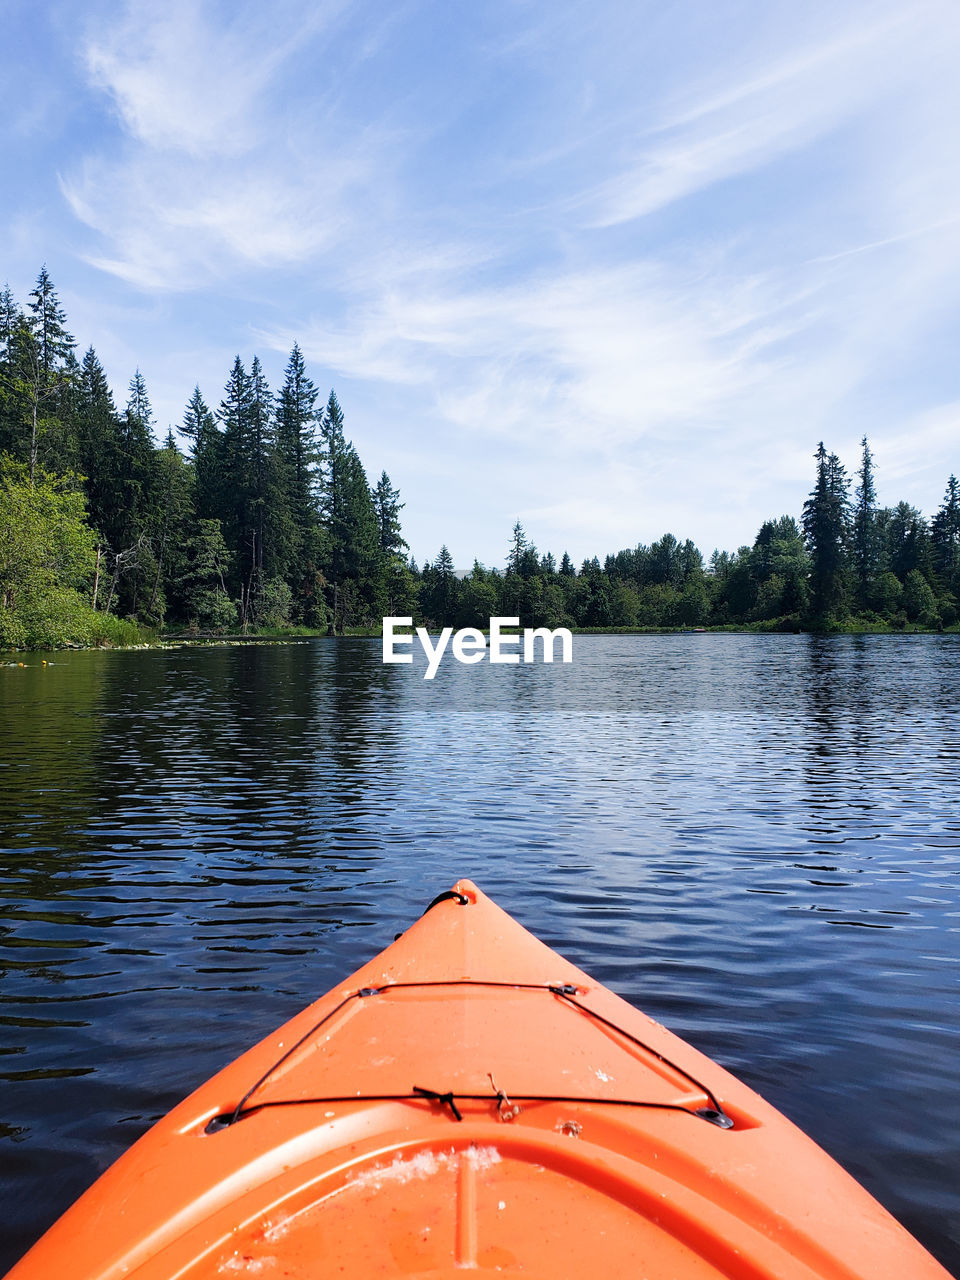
x: 267, y: 520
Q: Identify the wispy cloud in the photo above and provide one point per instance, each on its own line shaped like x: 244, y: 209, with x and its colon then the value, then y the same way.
x: 186, y: 79
x: 211, y: 171
x: 520, y: 237
x: 767, y: 111
x: 620, y: 353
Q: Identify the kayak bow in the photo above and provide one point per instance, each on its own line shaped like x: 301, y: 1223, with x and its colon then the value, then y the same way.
x: 468, y: 1100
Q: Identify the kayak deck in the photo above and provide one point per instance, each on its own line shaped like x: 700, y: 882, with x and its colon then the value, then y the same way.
x: 469, y: 1100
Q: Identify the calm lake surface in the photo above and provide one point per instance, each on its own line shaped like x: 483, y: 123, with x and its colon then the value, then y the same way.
x: 756, y: 839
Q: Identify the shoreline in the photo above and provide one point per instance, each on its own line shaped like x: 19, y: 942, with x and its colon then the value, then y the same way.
x: 178, y: 640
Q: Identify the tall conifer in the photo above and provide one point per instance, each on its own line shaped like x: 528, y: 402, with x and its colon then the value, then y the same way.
x: 206, y: 448
x: 825, y: 521
x: 865, y: 540
x: 945, y: 536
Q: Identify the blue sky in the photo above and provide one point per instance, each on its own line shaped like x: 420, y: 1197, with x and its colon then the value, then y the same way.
x: 612, y: 268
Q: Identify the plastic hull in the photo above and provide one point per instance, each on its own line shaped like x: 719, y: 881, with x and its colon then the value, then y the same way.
x: 470, y: 1101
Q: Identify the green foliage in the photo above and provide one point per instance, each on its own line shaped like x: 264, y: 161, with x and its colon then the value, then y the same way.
x: 269, y: 521
x: 826, y: 528
x: 274, y: 604
x: 440, y: 590
x: 945, y: 539
x: 204, y: 601
x: 45, y: 540
x: 866, y: 542
x: 919, y: 603
x: 47, y: 561
x: 888, y: 594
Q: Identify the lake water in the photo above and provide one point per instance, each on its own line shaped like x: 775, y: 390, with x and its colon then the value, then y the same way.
x: 756, y: 839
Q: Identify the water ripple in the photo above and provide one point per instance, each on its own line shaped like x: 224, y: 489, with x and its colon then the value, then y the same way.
x: 754, y: 838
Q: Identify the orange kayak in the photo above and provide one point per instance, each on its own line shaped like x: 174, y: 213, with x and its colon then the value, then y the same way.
x: 470, y: 1101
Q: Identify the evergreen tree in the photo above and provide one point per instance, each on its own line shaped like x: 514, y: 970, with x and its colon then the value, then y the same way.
x: 396, y: 586
x: 31, y: 393
x: 235, y: 494
x: 9, y: 318
x: 171, y: 524
x: 825, y: 527
x: 41, y: 346
x: 48, y: 322
x: 333, y: 502
x: 204, y: 599
x: 98, y: 435
x: 689, y: 563
x: 267, y: 500
x: 360, y: 550
x: 518, y: 549
x: 137, y: 454
x: 907, y: 542
x: 386, y: 501
x: 206, y: 447
x: 297, y: 441
x: 478, y: 601
x: 197, y: 419
x: 66, y: 411
x: 865, y: 541
x: 440, y: 590
x: 945, y: 538
x: 135, y: 485
x: 664, y: 561
x: 297, y: 454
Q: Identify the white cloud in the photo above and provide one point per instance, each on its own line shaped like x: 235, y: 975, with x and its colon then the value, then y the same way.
x: 767, y: 111
x: 730, y: 333
x: 632, y: 352
x: 916, y: 448
x: 209, y: 174
x: 186, y: 82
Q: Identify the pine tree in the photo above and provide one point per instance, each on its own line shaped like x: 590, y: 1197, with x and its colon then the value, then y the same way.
x: 171, y: 525
x: 297, y: 456
x: 945, y: 537
x: 9, y: 317
x: 825, y: 527
x: 386, y: 501
x: 235, y: 479
x: 518, y: 549
x: 865, y: 543
x: 332, y: 492
x: 664, y: 561
x: 137, y: 456
x: 197, y: 419
x: 203, y: 599
x: 66, y: 411
x: 440, y: 590
x: 360, y: 551
x: 907, y: 542
x: 35, y: 371
x: 99, y: 446
x: 135, y: 484
x: 260, y: 458
x: 350, y: 525
x: 297, y: 440
x: 395, y: 585
x: 206, y: 447
x: 48, y: 322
